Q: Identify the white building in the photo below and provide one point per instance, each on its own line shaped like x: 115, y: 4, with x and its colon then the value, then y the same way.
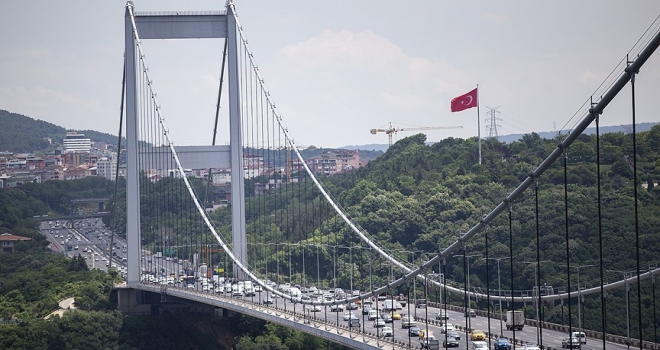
x: 75, y: 142
x: 106, y: 167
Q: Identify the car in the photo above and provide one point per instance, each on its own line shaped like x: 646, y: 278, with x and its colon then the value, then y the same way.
x: 351, y: 306
x: 315, y: 308
x: 396, y: 316
x: 502, y: 344
x: 379, y: 322
x: 365, y: 310
x: 414, y: 331
x: 336, y: 308
x: 447, y: 327
x: 581, y: 337
x: 571, y: 342
x: 386, y: 317
x: 441, y: 315
x: 356, y: 293
x: 531, y: 347
x: 236, y: 293
x: 348, y: 315
x: 479, y: 345
x: 477, y: 334
x: 407, y: 321
x: 354, y: 323
x: 470, y: 313
x: 454, y: 334
x: 257, y: 288
x: 449, y: 342
x: 425, y: 342
x: 386, y: 332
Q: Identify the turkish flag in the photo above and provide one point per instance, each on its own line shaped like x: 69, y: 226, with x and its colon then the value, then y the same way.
x: 465, y: 101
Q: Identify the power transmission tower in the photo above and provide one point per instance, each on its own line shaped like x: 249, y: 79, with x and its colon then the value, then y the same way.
x: 492, y: 122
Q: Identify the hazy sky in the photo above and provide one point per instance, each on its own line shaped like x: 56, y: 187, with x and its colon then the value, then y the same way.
x: 337, y: 69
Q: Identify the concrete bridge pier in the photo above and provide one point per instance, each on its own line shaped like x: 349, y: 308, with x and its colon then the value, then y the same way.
x: 132, y: 302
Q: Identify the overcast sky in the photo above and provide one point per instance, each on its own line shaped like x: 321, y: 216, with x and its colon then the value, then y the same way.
x: 337, y: 69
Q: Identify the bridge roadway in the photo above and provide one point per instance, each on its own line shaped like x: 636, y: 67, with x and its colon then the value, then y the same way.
x: 324, y: 323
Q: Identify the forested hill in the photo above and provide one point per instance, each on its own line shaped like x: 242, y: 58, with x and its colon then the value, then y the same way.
x: 22, y: 134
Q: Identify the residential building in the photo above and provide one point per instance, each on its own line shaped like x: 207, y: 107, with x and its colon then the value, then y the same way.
x: 7, y: 241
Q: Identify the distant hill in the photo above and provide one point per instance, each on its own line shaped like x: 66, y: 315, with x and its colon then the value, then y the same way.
x: 21, y: 134
x: 589, y: 131
x: 515, y: 137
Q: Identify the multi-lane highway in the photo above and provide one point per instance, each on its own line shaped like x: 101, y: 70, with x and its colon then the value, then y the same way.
x: 527, y: 335
x: 91, y: 239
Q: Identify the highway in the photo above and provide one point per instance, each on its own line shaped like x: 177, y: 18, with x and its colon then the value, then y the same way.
x: 91, y: 234
x: 528, y: 334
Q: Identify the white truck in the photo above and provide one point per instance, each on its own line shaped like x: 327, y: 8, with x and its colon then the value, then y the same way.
x: 515, y: 320
x: 390, y: 304
x: 248, y: 288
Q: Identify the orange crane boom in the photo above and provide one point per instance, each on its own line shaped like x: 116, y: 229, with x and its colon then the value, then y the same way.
x: 391, y: 130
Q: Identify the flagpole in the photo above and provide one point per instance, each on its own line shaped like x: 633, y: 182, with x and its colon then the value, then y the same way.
x: 478, y: 125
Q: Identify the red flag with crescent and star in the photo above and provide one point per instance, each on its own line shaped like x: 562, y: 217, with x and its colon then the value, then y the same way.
x: 464, y: 101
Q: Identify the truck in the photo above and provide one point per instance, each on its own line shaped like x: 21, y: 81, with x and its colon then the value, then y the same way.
x: 248, y: 288
x: 389, y: 305
x: 428, y: 341
x: 515, y: 320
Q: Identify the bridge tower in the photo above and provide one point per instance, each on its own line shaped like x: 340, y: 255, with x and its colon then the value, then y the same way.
x: 182, y: 26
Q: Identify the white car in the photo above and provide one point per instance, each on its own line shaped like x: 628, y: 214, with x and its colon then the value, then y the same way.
x: 479, y: 345
x: 349, y: 316
x: 237, y: 293
x: 531, y: 347
x: 315, y: 308
x: 447, y: 327
x: 379, y: 322
x: 337, y: 308
x: 386, y: 332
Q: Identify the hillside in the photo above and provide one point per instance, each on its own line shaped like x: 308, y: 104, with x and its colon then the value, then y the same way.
x: 22, y: 134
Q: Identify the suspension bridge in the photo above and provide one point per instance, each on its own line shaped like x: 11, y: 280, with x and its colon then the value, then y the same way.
x: 285, y: 250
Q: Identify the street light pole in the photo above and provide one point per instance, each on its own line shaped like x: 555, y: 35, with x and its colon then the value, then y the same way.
x: 580, y: 297
x: 537, y: 295
x: 499, y: 288
x: 468, y: 306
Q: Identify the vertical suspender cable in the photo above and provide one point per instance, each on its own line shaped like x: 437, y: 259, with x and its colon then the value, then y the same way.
x: 488, y: 308
x: 600, y: 233
x: 568, y: 251
x: 465, y: 296
x: 512, y: 306
x: 634, y: 135
x: 267, y: 168
x: 539, y: 325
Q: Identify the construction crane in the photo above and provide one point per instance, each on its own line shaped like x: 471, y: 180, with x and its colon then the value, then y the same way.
x: 390, y: 131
